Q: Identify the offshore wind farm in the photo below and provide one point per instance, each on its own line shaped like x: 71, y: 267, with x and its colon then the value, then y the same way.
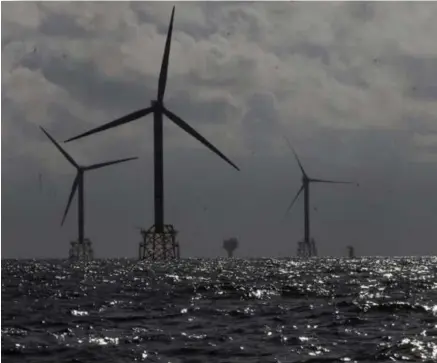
x: 351, y: 84
x: 159, y: 241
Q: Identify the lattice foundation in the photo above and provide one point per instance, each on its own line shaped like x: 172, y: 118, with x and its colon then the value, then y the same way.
x: 81, y: 251
x: 305, y: 250
x: 159, y: 246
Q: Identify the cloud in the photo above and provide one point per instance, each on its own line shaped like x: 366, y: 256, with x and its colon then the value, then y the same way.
x: 261, y: 122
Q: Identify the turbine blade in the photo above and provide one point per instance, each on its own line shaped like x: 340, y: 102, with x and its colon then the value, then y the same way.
x: 332, y: 181
x: 187, y: 128
x: 67, y: 156
x: 120, y: 121
x: 295, y: 155
x: 70, y: 198
x: 101, y: 165
x: 294, y: 200
x: 164, y: 66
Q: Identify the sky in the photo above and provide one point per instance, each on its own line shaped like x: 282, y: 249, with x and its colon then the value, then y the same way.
x: 351, y: 85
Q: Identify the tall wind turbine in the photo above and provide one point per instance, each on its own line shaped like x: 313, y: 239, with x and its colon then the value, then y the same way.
x: 78, y: 184
x: 306, y: 180
x: 158, y: 109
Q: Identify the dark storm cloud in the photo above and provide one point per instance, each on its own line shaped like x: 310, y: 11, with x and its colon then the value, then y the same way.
x: 344, y: 82
x: 85, y: 82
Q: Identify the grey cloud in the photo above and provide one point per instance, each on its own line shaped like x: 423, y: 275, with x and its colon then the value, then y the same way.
x: 197, y: 28
x: 365, y: 147
x: 85, y: 82
x: 223, y: 74
x: 364, y: 11
x: 432, y: 149
x: 215, y: 110
x: 351, y: 78
x: 59, y: 25
x: 312, y: 51
x: 421, y: 124
x: 261, y: 121
x: 419, y: 72
x: 64, y: 123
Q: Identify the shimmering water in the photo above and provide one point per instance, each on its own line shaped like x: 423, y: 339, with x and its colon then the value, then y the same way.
x: 267, y: 310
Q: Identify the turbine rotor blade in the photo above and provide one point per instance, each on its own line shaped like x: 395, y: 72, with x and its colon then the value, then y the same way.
x: 187, y: 128
x: 70, y: 198
x: 101, y: 165
x: 67, y: 156
x: 164, y: 66
x: 332, y: 181
x: 295, y: 155
x: 294, y: 200
x: 120, y: 121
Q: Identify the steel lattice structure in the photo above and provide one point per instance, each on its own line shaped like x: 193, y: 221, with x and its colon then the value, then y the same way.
x: 306, y: 249
x: 81, y: 251
x: 159, y: 246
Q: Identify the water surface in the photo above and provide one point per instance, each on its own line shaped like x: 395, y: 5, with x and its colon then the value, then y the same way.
x: 265, y: 310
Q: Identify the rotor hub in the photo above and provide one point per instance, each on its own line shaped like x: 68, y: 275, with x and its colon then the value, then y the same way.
x: 156, y: 104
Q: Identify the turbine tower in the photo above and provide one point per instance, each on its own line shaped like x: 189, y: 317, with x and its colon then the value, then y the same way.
x: 159, y: 241
x: 307, y: 247
x: 80, y: 249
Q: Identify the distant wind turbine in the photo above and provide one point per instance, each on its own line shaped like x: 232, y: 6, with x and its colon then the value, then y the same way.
x: 158, y: 109
x: 306, y: 180
x: 79, y: 184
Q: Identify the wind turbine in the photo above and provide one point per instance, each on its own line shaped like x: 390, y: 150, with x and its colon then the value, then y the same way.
x: 158, y: 109
x: 78, y: 184
x: 306, y: 180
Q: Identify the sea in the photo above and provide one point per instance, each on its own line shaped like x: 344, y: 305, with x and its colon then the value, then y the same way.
x: 220, y: 310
